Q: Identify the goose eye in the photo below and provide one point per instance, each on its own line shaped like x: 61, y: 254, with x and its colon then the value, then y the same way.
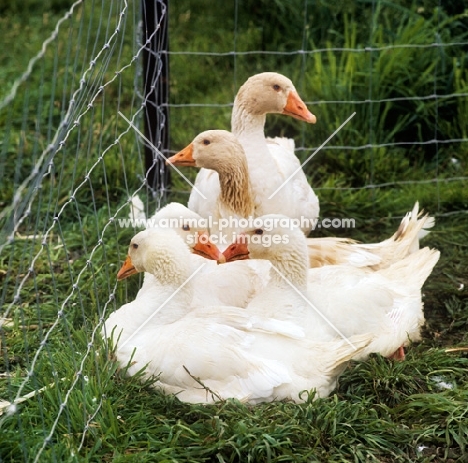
x: 206, y: 141
x: 185, y: 228
x: 276, y: 88
x: 258, y: 231
x: 134, y: 246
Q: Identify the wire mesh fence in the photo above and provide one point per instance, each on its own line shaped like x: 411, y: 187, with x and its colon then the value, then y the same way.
x: 71, y: 159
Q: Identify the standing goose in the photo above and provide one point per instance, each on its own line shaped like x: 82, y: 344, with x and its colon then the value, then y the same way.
x: 232, y: 353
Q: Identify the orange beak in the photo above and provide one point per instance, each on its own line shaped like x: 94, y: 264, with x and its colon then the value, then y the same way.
x: 236, y: 251
x: 203, y: 247
x: 183, y: 158
x: 296, y: 108
x: 127, y: 269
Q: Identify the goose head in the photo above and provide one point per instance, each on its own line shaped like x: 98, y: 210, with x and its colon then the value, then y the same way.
x: 270, y: 92
x: 219, y: 150
x: 212, y: 149
x: 189, y: 225
x: 274, y: 239
x: 163, y: 253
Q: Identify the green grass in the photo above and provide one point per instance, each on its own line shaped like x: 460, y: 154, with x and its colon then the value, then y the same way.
x: 381, y: 411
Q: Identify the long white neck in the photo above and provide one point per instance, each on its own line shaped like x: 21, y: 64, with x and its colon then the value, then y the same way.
x: 263, y: 169
x: 285, y: 295
x: 167, y: 291
x: 245, y: 125
x: 157, y: 304
x: 289, y: 270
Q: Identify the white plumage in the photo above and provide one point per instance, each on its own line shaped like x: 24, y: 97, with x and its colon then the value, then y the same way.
x: 229, y: 286
x: 220, y: 151
x: 290, y: 318
x: 339, y: 298
x: 232, y: 353
x: 270, y: 162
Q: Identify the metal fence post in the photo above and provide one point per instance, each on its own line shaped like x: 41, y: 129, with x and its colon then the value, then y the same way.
x: 156, y: 91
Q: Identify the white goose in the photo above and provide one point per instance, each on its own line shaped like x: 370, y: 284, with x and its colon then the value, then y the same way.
x: 220, y: 151
x: 229, y: 286
x: 386, y: 302
x: 271, y: 162
x: 207, y: 354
